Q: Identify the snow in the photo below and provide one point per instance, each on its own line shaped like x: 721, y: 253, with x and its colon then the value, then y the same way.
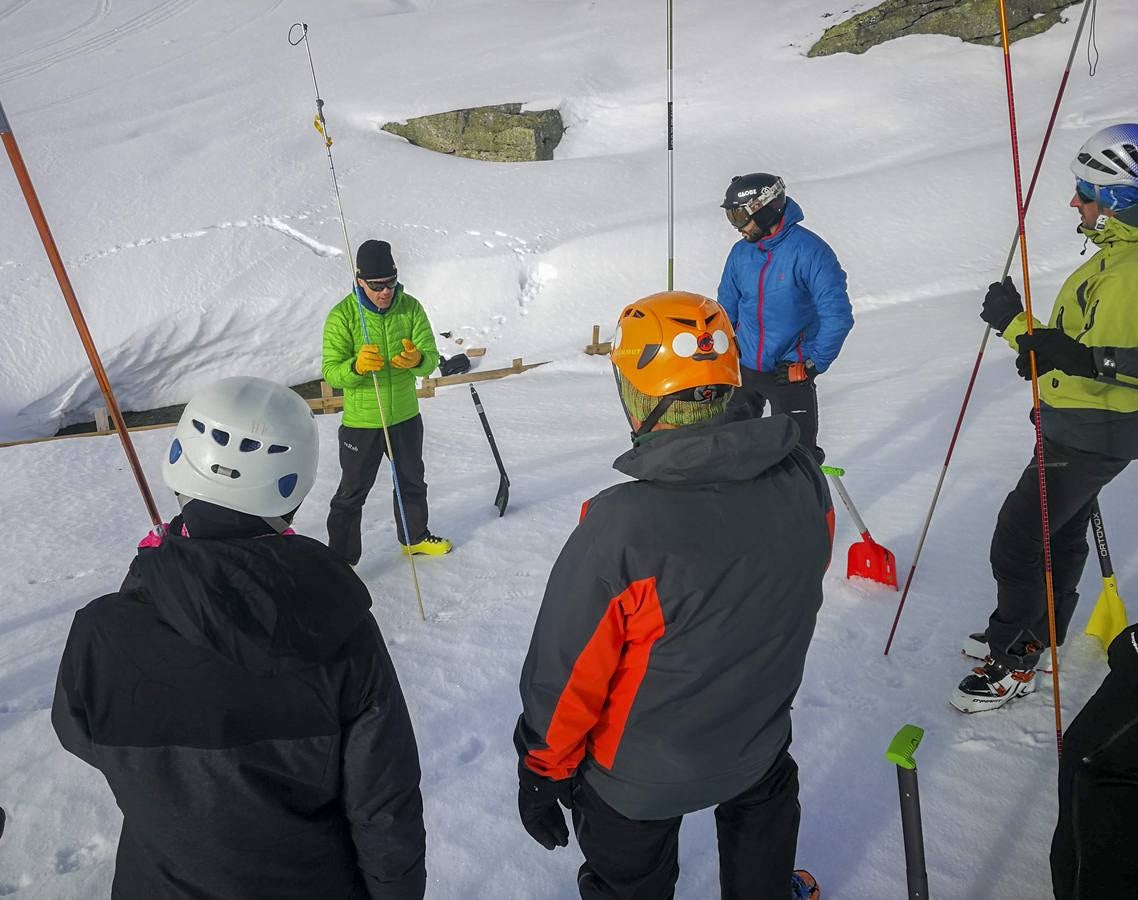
x: 172, y: 147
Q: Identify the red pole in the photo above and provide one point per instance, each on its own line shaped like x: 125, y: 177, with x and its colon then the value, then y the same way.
x: 988, y: 330
x: 53, y: 256
x: 1039, y: 462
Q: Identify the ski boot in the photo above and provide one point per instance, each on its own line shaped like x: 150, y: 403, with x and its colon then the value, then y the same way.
x: 428, y: 545
x: 975, y: 646
x: 991, y: 686
x: 803, y: 886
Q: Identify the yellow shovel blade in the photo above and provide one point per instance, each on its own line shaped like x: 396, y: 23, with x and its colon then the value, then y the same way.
x: 1109, y: 615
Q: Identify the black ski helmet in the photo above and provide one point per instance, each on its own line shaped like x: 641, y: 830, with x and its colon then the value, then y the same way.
x: 758, y: 198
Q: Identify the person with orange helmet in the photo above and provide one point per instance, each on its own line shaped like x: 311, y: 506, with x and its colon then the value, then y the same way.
x: 672, y: 636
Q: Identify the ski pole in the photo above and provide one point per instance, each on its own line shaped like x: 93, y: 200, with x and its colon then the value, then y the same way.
x: 322, y: 126
x: 900, y: 753
x: 1037, y: 419
x: 671, y: 170
x: 988, y: 330
x: 76, y: 311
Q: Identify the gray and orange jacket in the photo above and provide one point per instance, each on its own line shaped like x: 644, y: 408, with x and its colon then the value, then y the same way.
x: 673, y: 632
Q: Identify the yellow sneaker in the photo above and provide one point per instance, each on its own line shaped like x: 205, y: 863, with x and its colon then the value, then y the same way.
x: 431, y: 545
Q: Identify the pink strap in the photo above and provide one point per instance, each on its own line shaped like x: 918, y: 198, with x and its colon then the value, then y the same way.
x: 152, y: 538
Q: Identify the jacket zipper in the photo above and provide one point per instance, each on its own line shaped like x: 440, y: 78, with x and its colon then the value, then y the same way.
x: 762, y: 331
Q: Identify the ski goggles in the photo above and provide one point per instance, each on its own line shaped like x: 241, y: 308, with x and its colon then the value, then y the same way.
x: 738, y: 216
x: 1087, y: 192
x: 381, y: 284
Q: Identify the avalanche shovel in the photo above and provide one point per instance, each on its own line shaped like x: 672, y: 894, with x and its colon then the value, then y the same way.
x: 867, y: 558
x: 900, y: 753
x: 503, y: 496
x: 1109, y: 615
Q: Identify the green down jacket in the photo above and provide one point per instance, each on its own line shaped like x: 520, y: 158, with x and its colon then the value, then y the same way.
x: 1098, y: 306
x: 343, y: 338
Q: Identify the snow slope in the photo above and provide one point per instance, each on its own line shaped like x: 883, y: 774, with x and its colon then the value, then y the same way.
x: 172, y: 147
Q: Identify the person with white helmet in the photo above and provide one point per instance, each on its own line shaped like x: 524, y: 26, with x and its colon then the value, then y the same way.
x: 1087, y: 360
x: 236, y: 692
x: 673, y: 632
x: 785, y: 293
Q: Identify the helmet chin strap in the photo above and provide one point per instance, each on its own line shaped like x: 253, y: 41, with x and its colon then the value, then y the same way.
x: 653, y: 417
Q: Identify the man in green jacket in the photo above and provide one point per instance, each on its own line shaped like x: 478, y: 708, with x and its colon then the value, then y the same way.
x: 1089, y: 417
x: 380, y: 368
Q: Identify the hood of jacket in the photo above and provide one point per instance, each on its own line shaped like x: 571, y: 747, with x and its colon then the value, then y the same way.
x: 269, y: 604
x: 711, y: 453
x: 791, y: 216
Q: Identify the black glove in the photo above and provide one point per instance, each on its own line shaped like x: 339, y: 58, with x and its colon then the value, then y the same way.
x: 1054, y: 349
x: 538, y: 799
x: 1001, y: 304
x: 795, y: 372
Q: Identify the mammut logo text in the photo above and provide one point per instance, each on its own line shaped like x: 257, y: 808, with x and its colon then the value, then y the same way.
x: 352, y: 447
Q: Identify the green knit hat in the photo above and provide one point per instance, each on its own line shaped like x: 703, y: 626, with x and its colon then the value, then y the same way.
x: 679, y: 413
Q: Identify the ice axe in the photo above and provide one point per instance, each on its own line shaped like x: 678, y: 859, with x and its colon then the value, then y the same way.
x: 867, y: 558
x: 900, y: 753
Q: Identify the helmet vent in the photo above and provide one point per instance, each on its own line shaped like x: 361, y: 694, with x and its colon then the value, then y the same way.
x: 635, y: 313
x: 248, y: 445
x: 287, y: 485
x: 1090, y: 162
x: 1125, y: 165
x: 689, y: 322
x: 199, y: 426
x: 224, y: 471
x: 648, y: 354
x: 278, y: 448
x: 175, y: 451
x: 222, y: 437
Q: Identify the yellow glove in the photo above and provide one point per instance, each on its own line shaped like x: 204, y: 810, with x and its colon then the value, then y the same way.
x: 409, y: 358
x: 369, y: 360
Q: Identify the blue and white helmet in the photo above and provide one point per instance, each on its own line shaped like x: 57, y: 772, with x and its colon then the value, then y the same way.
x: 245, y: 444
x: 1108, y: 161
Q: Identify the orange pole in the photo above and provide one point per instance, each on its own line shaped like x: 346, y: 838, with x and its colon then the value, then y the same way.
x: 53, y: 256
x: 1039, y: 463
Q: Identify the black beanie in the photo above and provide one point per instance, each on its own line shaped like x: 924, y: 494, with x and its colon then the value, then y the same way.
x: 373, y: 260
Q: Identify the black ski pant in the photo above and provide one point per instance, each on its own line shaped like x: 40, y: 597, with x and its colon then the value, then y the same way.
x: 628, y: 859
x: 1094, y: 852
x: 1017, y: 629
x: 361, y: 452
x: 798, y: 400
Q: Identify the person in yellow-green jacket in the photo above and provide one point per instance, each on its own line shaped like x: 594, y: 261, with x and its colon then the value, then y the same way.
x: 1087, y: 362
x: 401, y: 347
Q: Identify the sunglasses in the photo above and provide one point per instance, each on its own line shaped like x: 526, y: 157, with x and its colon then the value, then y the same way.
x: 1086, y: 191
x: 381, y: 284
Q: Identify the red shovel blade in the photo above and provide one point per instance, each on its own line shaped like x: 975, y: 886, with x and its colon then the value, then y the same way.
x: 868, y: 559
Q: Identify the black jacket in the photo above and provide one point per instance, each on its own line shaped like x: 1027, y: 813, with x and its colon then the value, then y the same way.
x: 674, y: 628
x: 239, y: 699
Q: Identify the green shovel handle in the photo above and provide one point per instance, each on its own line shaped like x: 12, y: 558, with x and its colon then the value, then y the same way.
x: 904, y: 745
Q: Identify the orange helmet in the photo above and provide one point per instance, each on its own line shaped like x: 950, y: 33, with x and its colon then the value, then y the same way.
x: 675, y: 359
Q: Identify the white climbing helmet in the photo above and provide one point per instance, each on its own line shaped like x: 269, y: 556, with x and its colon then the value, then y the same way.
x: 1109, y: 156
x: 246, y: 444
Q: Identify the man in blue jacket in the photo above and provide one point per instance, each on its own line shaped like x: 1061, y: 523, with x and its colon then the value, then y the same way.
x: 785, y: 292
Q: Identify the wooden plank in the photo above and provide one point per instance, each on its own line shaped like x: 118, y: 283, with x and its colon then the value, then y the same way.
x: 102, y: 420
x: 475, y: 351
x: 483, y: 374
x: 326, y: 396
x: 82, y: 434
